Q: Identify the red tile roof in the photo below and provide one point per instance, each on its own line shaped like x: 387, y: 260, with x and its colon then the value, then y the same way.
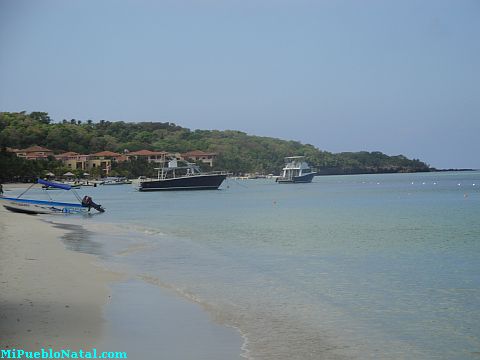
x: 35, y: 148
x: 36, y: 156
x: 146, y: 153
x: 106, y: 153
x: 68, y: 153
x: 122, y: 158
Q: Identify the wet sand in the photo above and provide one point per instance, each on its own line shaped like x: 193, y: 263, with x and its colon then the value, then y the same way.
x: 49, y: 297
x: 55, y: 293
x: 150, y: 322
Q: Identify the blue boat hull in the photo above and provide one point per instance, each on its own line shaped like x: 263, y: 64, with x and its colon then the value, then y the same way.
x: 28, y: 206
x: 307, y: 178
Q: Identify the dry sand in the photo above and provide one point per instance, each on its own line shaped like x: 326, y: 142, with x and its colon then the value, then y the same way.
x: 49, y: 297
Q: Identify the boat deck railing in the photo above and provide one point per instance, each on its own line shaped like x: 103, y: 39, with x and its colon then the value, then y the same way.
x: 144, y: 178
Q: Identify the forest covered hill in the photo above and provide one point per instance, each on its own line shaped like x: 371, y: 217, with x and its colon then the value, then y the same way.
x: 237, y: 151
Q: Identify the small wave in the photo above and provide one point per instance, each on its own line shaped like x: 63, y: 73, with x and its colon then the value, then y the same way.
x: 134, y: 248
x: 245, y: 350
x: 149, y: 279
x: 120, y: 229
x: 152, y: 280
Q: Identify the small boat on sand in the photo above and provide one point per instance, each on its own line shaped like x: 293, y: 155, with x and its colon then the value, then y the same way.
x: 296, y: 170
x: 33, y: 206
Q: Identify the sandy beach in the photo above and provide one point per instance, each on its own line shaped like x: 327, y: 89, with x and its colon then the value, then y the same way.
x: 56, y: 293
x: 50, y: 297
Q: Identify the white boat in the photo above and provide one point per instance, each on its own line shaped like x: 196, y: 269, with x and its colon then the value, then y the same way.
x: 93, y: 183
x: 116, y: 181
x: 33, y: 206
x: 296, y: 170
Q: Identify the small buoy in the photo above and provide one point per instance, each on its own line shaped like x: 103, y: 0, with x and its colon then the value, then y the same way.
x: 459, y: 184
x: 423, y: 183
x: 412, y: 182
x: 434, y: 183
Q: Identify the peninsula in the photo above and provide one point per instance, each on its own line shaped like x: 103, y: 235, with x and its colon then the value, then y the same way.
x: 120, y: 148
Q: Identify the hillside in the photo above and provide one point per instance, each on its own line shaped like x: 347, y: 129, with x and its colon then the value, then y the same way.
x: 237, y: 151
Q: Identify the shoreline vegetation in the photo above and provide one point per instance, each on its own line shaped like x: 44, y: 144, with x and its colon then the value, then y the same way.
x: 236, y: 152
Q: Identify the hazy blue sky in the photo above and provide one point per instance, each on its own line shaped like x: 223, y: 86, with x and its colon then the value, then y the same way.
x: 400, y: 77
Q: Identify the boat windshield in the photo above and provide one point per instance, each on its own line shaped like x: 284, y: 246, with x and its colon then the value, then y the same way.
x: 173, y: 170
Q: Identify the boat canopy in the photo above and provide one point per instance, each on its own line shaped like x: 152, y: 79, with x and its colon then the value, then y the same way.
x: 54, y: 184
x: 290, y: 158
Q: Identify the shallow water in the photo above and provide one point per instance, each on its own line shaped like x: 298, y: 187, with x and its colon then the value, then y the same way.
x: 368, y: 266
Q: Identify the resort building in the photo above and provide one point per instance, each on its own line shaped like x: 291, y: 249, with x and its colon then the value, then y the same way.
x: 150, y: 156
x: 103, y: 160
x: 33, y: 153
x: 108, y: 155
x: 73, y: 160
x: 198, y: 155
x: 162, y: 156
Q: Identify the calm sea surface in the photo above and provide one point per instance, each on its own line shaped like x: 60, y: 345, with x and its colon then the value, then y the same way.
x: 361, y: 267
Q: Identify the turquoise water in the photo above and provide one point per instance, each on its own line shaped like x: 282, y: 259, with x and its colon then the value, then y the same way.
x: 370, y: 266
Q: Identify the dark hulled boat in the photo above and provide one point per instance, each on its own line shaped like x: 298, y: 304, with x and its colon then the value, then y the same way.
x: 186, y: 177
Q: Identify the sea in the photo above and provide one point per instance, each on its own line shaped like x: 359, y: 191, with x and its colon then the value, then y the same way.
x: 346, y: 267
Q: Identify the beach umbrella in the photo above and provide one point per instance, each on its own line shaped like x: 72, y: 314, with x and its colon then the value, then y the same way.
x: 68, y: 174
x: 86, y: 174
x: 49, y: 174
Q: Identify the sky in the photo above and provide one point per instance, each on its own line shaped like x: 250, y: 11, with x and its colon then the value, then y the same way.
x: 401, y: 77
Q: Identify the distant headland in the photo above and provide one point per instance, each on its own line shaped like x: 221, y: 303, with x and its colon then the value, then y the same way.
x: 443, y: 170
x: 230, y: 150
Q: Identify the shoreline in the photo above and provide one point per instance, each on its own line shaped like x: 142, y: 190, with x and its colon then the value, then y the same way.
x: 56, y: 293
x: 148, y: 321
x: 50, y: 297
x: 149, y: 318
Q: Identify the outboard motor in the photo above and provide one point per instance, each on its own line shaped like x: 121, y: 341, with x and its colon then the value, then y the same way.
x: 88, y: 202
